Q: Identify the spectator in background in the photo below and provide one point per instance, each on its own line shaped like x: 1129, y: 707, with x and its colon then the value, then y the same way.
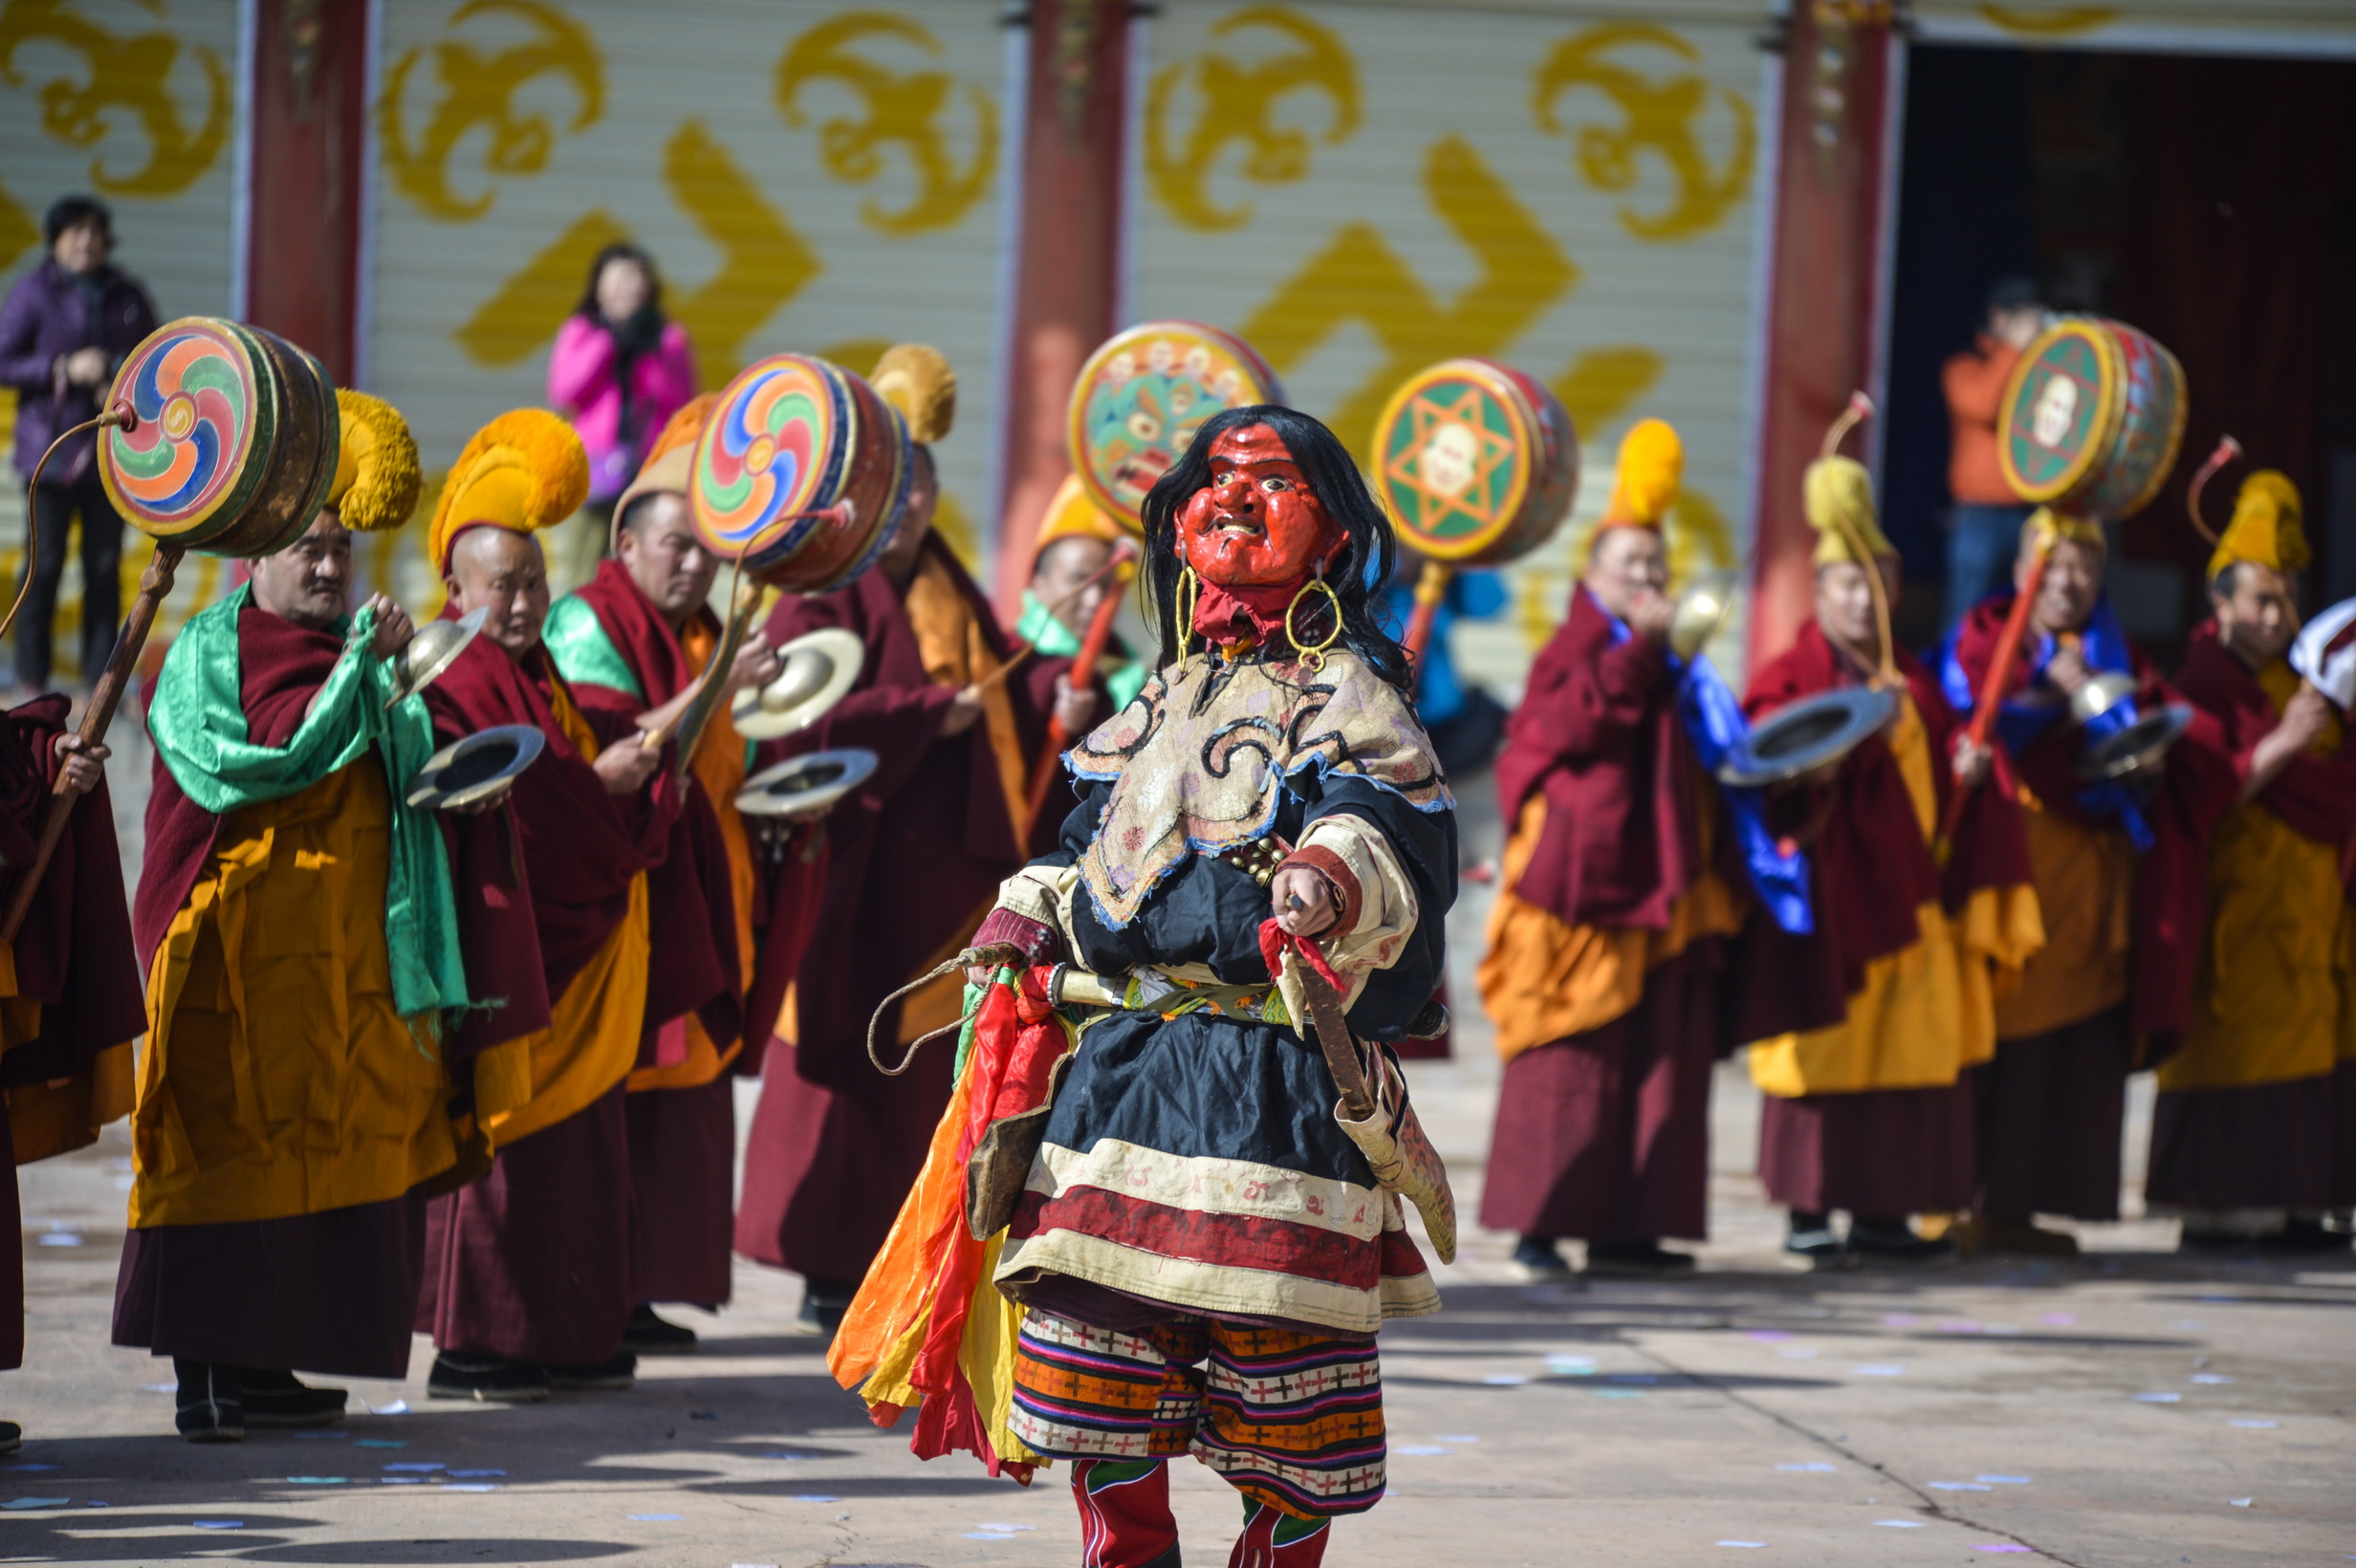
x: 619, y: 370
x: 64, y: 331
x: 1984, y: 533
x: 1464, y: 721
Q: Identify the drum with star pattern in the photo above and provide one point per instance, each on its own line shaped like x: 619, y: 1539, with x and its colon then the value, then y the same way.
x: 1475, y: 462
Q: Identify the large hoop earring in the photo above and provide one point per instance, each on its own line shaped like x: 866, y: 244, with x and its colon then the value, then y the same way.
x: 1313, y: 658
x: 1189, y: 594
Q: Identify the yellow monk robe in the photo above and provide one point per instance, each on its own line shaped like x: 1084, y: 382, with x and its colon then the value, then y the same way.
x: 2270, y: 1002
x: 2085, y: 893
x: 540, y: 1080
x: 57, y: 1116
x: 719, y: 765
x: 1929, y: 1011
x: 279, y: 1081
x: 1545, y: 979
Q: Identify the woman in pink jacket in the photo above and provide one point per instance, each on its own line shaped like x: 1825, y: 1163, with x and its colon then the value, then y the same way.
x: 619, y: 370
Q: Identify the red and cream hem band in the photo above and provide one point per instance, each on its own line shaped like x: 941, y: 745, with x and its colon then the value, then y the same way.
x: 1289, y: 1418
x: 1225, y: 1237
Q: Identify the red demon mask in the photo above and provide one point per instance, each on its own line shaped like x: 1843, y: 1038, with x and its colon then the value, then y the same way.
x: 1257, y: 524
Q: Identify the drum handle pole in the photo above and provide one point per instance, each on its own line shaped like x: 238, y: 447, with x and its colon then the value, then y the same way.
x: 1991, y: 694
x: 1081, y: 674
x: 154, y: 585
x: 2228, y: 449
x: 1430, y: 588
x: 120, y: 415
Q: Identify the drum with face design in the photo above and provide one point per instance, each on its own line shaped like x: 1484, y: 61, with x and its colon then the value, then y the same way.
x: 1477, y: 462
x: 801, y: 471
x: 2091, y: 419
x: 1142, y: 396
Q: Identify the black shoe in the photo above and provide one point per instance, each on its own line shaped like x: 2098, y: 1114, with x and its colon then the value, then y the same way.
x: 2303, y: 1235
x: 1895, y: 1241
x: 493, y: 1379
x: 651, y: 1336
x: 277, y: 1399
x: 617, y: 1371
x: 11, y: 1437
x: 1635, y: 1260
x: 1537, y: 1261
x: 1815, y: 1249
x: 211, y: 1403
x: 823, y: 1302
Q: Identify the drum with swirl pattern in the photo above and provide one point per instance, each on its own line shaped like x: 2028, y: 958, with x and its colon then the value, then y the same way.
x: 235, y: 448
x: 802, y: 472
x: 2091, y: 419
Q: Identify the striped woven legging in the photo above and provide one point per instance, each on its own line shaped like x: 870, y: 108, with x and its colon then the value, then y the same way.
x: 1291, y: 1420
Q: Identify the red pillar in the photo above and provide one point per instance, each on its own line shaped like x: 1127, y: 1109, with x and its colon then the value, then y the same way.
x: 310, y: 97
x: 1823, y: 295
x: 1072, y: 128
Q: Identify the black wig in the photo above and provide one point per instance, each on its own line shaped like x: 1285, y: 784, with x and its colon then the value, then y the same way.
x: 1368, y: 553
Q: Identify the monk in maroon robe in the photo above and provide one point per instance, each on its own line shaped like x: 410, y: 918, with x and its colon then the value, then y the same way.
x: 1865, y: 1110
x: 2254, y: 1132
x: 1606, y: 941
x: 913, y: 862
x: 635, y: 639
x: 2121, y: 887
x: 66, y: 1031
x: 530, y: 1274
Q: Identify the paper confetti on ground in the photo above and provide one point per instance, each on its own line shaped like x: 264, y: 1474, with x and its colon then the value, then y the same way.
x: 1753, y: 1545
x: 1959, y: 1486
x: 2159, y: 1399
x: 317, y: 1481
x: 2254, y: 1426
x: 653, y: 1518
x: 1419, y: 1451
x: 2005, y: 1480
x: 218, y: 1524
x: 1900, y: 1524
x: 1814, y: 1466
x: 2208, y: 1376
x: 1876, y: 1369
x: 2000, y: 1546
x: 36, y: 1502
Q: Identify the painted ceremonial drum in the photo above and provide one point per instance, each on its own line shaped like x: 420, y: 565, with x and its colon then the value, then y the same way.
x: 1142, y: 396
x: 801, y: 473
x: 236, y: 446
x: 2093, y: 417
x: 1477, y: 462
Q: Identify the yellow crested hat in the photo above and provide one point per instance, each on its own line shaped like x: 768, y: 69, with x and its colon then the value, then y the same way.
x: 671, y: 462
x: 2047, y: 528
x: 377, y: 478
x: 1837, y: 493
x: 523, y: 471
x: 916, y: 378
x: 2265, y: 529
x: 1071, y: 516
x: 1651, y: 467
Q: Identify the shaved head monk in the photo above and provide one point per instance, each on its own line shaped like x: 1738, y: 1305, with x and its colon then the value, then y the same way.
x: 637, y: 638
x: 301, y: 934
x: 529, y: 1269
x: 1603, y: 944
x: 2120, y: 884
x: 2254, y: 1136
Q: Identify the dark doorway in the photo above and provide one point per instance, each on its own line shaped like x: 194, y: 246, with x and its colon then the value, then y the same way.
x: 2209, y: 201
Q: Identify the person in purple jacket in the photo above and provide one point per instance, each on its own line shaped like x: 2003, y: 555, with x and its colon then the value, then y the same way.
x: 64, y: 332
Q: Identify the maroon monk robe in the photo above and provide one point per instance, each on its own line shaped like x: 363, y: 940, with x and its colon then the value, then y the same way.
x: 1879, y: 1152
x: 683, y: 1142
x: 1605, y: 1136
x: 73, y: 957
x: 532, y: 1261
x: 2269, y: 1146
x: 2049, y: 1107
x: 329, y: 1291
x: 915, y: 858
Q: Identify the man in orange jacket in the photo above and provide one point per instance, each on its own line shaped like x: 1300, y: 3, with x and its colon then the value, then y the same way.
x: 1985, y: 531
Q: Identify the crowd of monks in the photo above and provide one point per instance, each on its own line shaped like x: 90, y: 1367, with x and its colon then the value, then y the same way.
x: 1941, y: 999
x: 414, y: 1066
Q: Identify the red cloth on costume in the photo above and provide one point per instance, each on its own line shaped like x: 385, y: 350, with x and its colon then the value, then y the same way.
x: 1598, y: 732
